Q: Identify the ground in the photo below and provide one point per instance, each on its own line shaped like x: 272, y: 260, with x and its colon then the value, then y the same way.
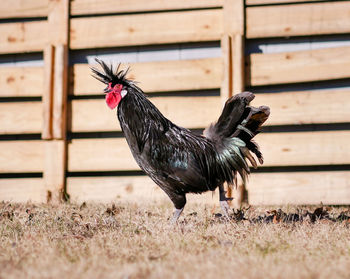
x: 130, y: 241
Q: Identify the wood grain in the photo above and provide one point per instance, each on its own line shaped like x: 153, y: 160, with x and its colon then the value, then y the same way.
x: 298, y: 66
x: 21, y: 81
x: 59, y: 111
x: 304, y: 107
x: 289, y: 108
x: 56, y: 150
x: 137, y: 189
x: 305, y: 148
x: 189, y: 112
x: 157, y: 76
x: 265, y: 2
x: 145, y: 29
x: 298, y: 20
x: 279, y: 149
x: 23, y: 36
x: 22, y: 190
x: 263, y: 189
x: 226, y: 82
x: 49, y: 60
x: 54, y: 174
x: 21, y: 156
x: 100, y: 155
x: 20, y: 9
x: 20, y: 117
x: 85, y: 7
x: 331, y: 187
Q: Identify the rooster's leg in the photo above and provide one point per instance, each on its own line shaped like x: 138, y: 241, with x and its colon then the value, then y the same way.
x: 176, y: 215
x: 223, y: 201
x: 179, y: 201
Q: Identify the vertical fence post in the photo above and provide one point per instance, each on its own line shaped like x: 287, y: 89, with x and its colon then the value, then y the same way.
x: 232, y: 44
x: 55, y: 99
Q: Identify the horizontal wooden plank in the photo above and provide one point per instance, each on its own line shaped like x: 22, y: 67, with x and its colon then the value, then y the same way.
x: 20, y: 9
x: 21, y: 156
x: 306, y: 107
x: 298, y: 19
x: 288, y: 108
x: 21, y: 81
x: 109, y: 189
x: 22, y: 190
x: 157, y: 76
x: 23, y: 36
x: 279, y: 149
x: 138, y: 189
x: 331, y: 187
x: 266, y: 2
x: 298, y: 66
x: 100, y: 155
x: 189, y: 112
x: 85, y: 7
x: 145, y: 29
x: 305, y: 148
x: 20, y: 117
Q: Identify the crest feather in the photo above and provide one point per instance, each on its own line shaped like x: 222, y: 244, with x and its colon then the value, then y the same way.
x: 109, y: 75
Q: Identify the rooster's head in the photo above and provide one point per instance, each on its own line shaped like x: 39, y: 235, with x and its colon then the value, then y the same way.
x: 116, y: 81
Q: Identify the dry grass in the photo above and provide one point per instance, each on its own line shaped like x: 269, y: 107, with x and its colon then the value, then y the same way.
x: 126, y: 241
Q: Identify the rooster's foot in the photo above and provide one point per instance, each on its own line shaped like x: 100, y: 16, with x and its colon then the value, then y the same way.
x: 176, y: 215
x: 225, y: 208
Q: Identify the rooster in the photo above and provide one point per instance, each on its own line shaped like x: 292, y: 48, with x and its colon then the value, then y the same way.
x: 176, y: 159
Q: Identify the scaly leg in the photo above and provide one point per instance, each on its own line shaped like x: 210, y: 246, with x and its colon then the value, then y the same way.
x: 176, y: 215
x: 179, y: 201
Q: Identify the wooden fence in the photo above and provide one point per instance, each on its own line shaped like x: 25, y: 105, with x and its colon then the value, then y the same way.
x: 58, y: 137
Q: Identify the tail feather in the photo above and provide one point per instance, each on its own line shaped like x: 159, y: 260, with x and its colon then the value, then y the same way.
x: 254, y: 147
x: 233, y: 135
x: 228, y: 121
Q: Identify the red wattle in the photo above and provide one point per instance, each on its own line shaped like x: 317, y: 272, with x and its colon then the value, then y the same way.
x: 113, y: 99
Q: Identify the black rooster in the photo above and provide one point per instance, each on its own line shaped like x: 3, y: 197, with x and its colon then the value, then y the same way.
x: 175, y: 158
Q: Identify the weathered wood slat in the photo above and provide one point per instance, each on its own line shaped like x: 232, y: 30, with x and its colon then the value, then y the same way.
x: 305, y: 148
x: 279, y: 149
x: 20, y: 117
x: 23, y: 36
x: 298, y: 20
x: 47, y: 99
x: 306, y: 107
x: 157, y: 76
x: 20, y: 9
x: 289, y: 108
x: 100, y: 155
x: 85, y: 7
x: 21, y: 81
x: 189, y: 112
x: 56, y: 150
x: 22, y: 190
x: 54, y: 173
x: 138, y: 189
x: 60, y: 92
x: 144, y: 29
x: 331, y: 187
x: 21, y: 156
x: 264, y: 2
x: 108, y: 189
x: 299, y: 66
